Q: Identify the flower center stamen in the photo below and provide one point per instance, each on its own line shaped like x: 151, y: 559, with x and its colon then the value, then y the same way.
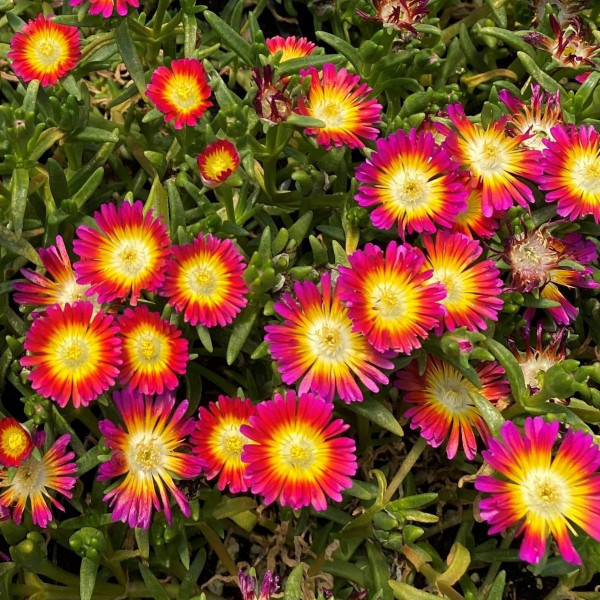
x: 330, y: 341
x: 488, y: 158
x: 16, y: 440
x: 49, y: 52
x: 388, y: 303
x: 30, y: 476
x: 75, y: 353
x: 185, y: 95
x: 132, y: 259
x: 232, y: 441
x: 453, y: 393
x: 544, y: 493
x: 149, y: 348
x: 300, y: 453
x: 331, y: 113
x: 147, y: 456
x: 410, y: 190
x: 586, y: 174
x: 202, y: 281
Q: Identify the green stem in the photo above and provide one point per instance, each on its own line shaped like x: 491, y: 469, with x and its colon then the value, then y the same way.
x: 407, y: 464
x: 225, y: 195
x: 495, y: 566
x: 159, y: 17
x: 217, y: 545
x: 453, y: 30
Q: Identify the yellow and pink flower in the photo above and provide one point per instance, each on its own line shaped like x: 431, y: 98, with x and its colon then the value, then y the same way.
x: 413, y: 183
x: 205, y: 281
x: 295, y: 455
x: 44, y: 50
x: 548, y: 494
x: 126, y: 254
x: 218, y: 441
x: 16, y: 443
x: 180, y: 91
x: 35, y: 479
x: 148, y: 451
x: 339, y: 100
x: 316, y: 342
x: 217, y: 162
x: 472, y: 222
x: 74, y: 354
x: 290, y: 47
x: 106, y: 8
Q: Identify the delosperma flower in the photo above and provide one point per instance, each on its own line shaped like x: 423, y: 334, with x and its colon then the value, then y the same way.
x: 106, y: 8
x: 217, y: 162
x: 74, y: 354
x: 180, y: 91
x: 412, y: 183
x: 296, y: 455
x: 472, y: 222
x: 317, y: 345
x: 16, y: 443
x: 342, y: 102
x: 402, y: 14
x: 147, y: 451
x: 546, y: 493
x: 127, y: 253
x: 44, y: 50
x: 271, y: 103
x: 390, y: 297
x: 290, y: 47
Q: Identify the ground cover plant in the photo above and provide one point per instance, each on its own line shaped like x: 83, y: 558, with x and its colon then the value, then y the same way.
x: 299, y: 299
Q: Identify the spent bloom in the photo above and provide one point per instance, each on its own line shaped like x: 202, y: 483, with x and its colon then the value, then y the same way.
x: 106, y: 8
x: 402, y: 14
x: 271, y: 103
x: 249, y: 585
x: 16, y: 442
x: 290, y: 47
x: 217, y: 162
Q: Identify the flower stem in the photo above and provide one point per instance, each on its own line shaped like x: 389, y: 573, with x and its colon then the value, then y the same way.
x: 405, y: 467
x: 217, y: 545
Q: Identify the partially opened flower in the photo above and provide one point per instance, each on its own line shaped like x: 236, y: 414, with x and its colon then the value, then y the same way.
x: 271, y: 103
x: 443, y: 406
x: 218, y: 441
x: 316, y: 343
x: 412, y: 183
x: 106, y: 8
x: 154, y: 351
x: 545, y: 494
x: 205, y: 281
x: 44, y: 50
x: 402, y: 14
x: 35, y: 479
x: 339, y: 100
x: 250, y: 588
x: 217, y: 162
x: 74, y: 354
x: 16, y: 443
x: 148, y: 451
x: 295, y: 455
x: 472, y: 222
x: 290, y: 47
x: 180, y: 91
x: 390, y: 297
x: 126, y: 254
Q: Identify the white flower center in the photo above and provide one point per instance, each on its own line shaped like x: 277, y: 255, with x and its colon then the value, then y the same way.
x: 330, y: 341
x: 30, y: 477
x: 74, y: 352
x: 545, y: 493
x: 298, y: 452
x: 231, y: 441
x: 388, y: 302
x: 48, y: 52
x: 146, y: 453
x: 131, y: 258
x: 202, y: 280
x: 586, y: 174
x: 331, y: 113
x: 531, y: 259
x: 410, y: 189
x: 451, y: 390
x: 487, y: 158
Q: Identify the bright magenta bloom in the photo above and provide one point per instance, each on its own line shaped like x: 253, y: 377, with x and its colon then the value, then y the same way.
x: 205, y: 281
x: 44, y: 50
x: 180, y: 91
x: 106, y: 7
x: 35, y: 478
x: 147, y: 451
x: 547, y: 494
x: 295, y: 455
x: 218, y: 441
x: 154, y: 351
x: 15, y: 442
x: 443, y: 408
x: 317, y: 343
x: 390, y: 296
x: 129, y: 253
x: 339, y: 100
x: 471, y: 221
x: 412, y: 182
x: 290, y: 47
x: 217, y: 162
x: 75, y: 354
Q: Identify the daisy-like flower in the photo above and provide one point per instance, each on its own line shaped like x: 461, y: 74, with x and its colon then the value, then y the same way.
x: 271, y: 103
x: 339, y: 100
x: 44, y: 50
x: 40, y: 290
x: 402, y: 14
x: 442, y: 404
x: 390, y: 297
x: 128, y: 252
x: 217, y: 162
x: 147, y: 450
x: 180, y: 91
x: 15, y: 442
x: 107, y: 7
x: 494, y: 160
x: 547, y: 494
x: 205, y: 281
x: 295, y: 454
x: 154, y: 351
x: 35, y: 478
x: 471, y: 221
x: 290, y: 47
x: 472, y: 287
x: 218, y: 441
x: 413, y: 183
x: 572, y: 171
x: 316, y: 342
x: 75, y: 355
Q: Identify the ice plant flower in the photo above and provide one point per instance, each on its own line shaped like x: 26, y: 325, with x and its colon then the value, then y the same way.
x: 472, y: 287
x: 290, y: 47
x: 339, y: 100
x: 147, y: 451
x: 35, y: 478
x: 390, y: 298
x: 471, y: 221
x: 106, y: 8
x: 217, y: 162
x: 316, y: 342
x: 412, y: 182
x: 16, y: 443
x: 572, y: 171
x: 271, y: 102
x: 75, y: 355
x: 218, y: 441
x: 128, y: 252
x: 180, y: 91
x: 401, y: 14
x: 44, y: 50
x: 249, y: 585
x: 493, y: 159
x: 205, y: 281
x: 442, y: 404
x: 295, y: 454
x: 154, y: 351
x: 547, y: 494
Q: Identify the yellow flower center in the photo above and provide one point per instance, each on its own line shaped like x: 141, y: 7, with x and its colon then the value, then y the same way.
x: 331, y: 113
x: 330, y: 342
x: 131, y: 258
x: 586, y: 174
x: 453, y: 283
x: 146, y: 453
x: 545, y: 493
x: 184, y: 94
x: 388, y: 302
x: 74, y: 353
x: 48, y: 52
x: 410, y: 189
x: 202, y: 280
x: 230, y: 441
x: 217, y: 164
x: 488, y: 157
x: 15, y: 440
x: 72, y: 292
x: 298, y: 452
